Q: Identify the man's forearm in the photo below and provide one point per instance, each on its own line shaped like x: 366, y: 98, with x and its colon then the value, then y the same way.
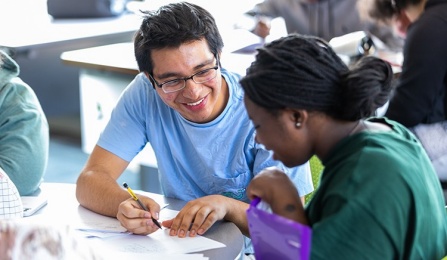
x: 238, y: 215
x: 100, y: 193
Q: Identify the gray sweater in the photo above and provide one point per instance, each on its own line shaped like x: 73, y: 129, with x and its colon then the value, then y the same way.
x: 324, y: 18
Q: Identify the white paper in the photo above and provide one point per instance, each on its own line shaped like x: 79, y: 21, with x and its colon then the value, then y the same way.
x: 116, y: 255
x: 109, y: 233
x: 158, y: 242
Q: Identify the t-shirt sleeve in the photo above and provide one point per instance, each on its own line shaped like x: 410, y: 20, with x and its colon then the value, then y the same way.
x: 125, y: 133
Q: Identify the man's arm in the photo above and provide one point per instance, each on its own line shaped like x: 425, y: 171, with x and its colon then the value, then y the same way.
x: 97, y: 188
x: 200, y: 214
x: 238, y: 215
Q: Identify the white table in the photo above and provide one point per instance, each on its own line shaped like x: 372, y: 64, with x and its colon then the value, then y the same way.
x: 63, y: 208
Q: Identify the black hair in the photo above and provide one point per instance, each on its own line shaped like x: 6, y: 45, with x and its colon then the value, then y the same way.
x: 303, y: 72
x: 385, y: 10
x: 172, y: 25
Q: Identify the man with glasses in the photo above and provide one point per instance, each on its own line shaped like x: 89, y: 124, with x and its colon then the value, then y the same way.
x: 191, y: 111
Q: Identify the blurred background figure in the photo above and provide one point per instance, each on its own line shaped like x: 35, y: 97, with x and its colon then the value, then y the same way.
x: 420, y: 100
x: 24, y: 131
x: 323, y: 18
x: 20, y: 240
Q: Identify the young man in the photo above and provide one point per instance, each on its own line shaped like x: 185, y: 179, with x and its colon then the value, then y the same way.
x: 192, y: 113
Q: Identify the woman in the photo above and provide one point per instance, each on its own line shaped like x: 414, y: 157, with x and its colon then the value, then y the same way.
x: 420, y: 101
x: 379, y: 196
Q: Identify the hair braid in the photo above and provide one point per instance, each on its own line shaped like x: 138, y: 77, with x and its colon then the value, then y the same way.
x: 303, y: 72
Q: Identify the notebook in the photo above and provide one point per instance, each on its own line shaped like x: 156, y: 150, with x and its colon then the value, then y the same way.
x: 31, y: 204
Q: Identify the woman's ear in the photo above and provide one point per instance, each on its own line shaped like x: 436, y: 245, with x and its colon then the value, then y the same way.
x: 297, y: 116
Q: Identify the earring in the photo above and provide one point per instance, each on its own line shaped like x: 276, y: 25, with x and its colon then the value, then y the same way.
x: 298, y: 124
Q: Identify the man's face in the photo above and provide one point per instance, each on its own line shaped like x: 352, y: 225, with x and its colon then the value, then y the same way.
x: 400, y: 24
x: 197, y: 102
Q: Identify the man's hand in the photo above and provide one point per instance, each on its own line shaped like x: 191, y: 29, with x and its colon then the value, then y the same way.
x: 262, y: 29
x: 137, y: 220
x: 198, y: 216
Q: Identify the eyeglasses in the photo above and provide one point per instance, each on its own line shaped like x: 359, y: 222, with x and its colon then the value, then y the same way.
x: 180, y: 83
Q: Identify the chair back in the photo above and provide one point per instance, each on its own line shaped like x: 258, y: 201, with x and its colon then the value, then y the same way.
x: 316, y: 168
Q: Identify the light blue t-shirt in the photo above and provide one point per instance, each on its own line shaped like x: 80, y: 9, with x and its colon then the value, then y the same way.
x: 194, y: 160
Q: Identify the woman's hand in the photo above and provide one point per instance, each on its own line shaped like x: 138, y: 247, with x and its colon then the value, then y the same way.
x: 275, y: 188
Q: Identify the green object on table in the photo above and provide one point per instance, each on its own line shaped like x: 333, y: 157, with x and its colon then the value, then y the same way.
x: 316, y: 168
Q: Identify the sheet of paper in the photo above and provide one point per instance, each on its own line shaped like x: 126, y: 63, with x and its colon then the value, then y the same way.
x: 94, y: 225
x: 112, y: 235
x: 116, y: 255
x: 157, y: 242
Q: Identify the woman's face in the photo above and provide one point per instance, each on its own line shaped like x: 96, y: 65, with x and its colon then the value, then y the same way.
x: 279, y: 133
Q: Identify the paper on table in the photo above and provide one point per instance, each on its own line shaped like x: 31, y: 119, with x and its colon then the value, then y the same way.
x: 95, y: 225
x: 164, y: 256
x: 158, y: 242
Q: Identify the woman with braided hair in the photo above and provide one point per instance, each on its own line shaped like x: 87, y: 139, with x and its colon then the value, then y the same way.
x: 379, y: 196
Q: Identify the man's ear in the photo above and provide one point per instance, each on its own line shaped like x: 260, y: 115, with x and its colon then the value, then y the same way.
x: 148, y: 76
x: 401, y: 24
x: 218, y: 57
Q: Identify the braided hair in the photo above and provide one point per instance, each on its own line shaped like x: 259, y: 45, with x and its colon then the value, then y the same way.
x: 303, y: 72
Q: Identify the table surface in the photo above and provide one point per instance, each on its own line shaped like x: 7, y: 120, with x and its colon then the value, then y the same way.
x: 63, y: 206
x: 120, y: 58
x: 47, y: 31
x: 27, y: 23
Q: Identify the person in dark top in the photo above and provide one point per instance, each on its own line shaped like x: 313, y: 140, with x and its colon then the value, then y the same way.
x: 420, y: 100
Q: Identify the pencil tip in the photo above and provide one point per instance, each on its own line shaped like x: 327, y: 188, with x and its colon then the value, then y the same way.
x: 125, y: 185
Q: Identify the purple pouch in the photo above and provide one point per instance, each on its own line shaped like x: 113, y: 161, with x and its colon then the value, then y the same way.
x: 276, y: 237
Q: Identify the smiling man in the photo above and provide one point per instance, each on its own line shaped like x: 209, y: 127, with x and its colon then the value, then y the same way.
x: 191, y: 111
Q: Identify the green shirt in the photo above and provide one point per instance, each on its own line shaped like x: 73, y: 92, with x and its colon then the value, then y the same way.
x: 379, y: 198
x: 24, y: 133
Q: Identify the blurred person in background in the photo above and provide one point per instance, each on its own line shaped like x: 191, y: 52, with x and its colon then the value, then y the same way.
x: 420, y: 99
x: 322, y: 18
x: 24, y: 131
